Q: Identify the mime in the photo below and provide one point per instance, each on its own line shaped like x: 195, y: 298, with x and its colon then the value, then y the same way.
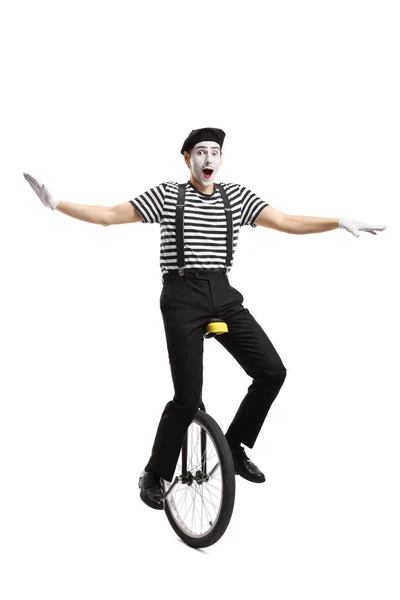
x: 200, y: 222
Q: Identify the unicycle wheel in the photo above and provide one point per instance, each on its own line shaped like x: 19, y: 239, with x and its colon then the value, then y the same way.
x: 199, y: 501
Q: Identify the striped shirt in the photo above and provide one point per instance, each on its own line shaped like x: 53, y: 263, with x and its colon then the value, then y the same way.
x: 205, y: 229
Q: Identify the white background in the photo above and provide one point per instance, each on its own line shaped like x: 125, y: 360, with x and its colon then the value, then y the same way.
x: 97, y: 99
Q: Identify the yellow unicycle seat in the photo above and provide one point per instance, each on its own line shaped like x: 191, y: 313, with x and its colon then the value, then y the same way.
x: 215, y: 327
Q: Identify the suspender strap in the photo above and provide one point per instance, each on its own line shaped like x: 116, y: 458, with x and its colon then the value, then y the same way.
x: 180, y: 207
x: 229, y: 226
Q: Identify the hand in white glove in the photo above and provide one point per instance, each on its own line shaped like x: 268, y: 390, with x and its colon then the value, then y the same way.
x: 355, y: 227
x: 42, y: 191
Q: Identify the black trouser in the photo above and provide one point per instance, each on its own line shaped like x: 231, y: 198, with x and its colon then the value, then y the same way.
x: 187, y: 303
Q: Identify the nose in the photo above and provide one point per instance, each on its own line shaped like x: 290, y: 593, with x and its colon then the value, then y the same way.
x: 208, y: 160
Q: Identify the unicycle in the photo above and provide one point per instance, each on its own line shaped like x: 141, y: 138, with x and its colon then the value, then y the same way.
x: 199, y: 501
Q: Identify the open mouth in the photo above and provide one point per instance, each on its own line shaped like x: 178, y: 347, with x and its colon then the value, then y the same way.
x: 207, y: 173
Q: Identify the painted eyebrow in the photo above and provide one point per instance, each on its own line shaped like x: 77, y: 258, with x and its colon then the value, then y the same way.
x: 212, y: 147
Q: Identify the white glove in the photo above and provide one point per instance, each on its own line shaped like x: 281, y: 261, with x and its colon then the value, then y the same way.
x: 42, y: 191
x: 355, y: 227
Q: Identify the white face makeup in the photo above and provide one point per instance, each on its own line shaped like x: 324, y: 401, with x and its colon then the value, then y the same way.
x: 205, y: 160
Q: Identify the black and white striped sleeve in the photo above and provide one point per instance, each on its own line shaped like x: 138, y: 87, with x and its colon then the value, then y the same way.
x: 252, y: 205
x: 150, y: 204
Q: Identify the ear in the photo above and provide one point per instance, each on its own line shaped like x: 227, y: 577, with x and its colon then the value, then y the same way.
x: 187, y: 158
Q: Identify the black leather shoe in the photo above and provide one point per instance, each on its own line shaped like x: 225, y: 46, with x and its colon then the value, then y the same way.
x: 151, y: 490
x: 245, y: 467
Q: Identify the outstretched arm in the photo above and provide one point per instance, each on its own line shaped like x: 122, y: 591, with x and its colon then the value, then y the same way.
x: 275, y: 219
x: 101, y: 215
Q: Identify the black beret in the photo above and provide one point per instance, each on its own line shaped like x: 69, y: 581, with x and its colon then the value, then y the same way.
x: 206, y: 134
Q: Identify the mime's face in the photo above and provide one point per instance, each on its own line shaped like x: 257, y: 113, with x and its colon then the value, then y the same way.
x: 205, y: 160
